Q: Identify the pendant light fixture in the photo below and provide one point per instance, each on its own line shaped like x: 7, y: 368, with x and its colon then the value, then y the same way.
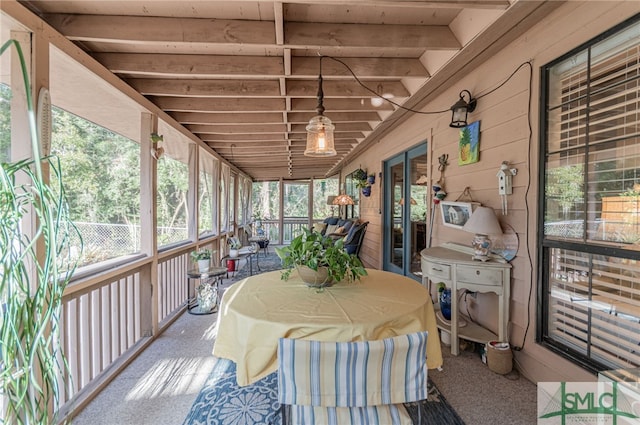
x: 320, y: 129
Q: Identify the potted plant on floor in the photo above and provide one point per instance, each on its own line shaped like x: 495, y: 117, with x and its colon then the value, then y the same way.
x: 203, y: 258
x: 319, y: 260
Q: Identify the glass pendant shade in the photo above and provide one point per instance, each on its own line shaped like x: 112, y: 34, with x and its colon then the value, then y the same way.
x: 320, y: 137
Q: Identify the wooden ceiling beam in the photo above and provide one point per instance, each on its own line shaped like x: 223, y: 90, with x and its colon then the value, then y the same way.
x: 340, y: 126
x: 336, y: 117
x: 237, y: 129
x: 202, y: 66
x: 345, y: 88
x: 240, y: 137
x: 339, y: 105
x: 248, y: 144
x: 311, y: 35
x: 205, y: 87
x: 338, y: 135
x: 212, y: 104
x: 259, y: 67
x: 239, y: 156
x: 362, y: 67
x: 227, y: 118
x: 421, y: 4
x: 153, y: 29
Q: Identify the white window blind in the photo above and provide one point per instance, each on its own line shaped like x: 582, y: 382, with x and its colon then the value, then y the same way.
x: 592, y: 198
x: 595, y: 306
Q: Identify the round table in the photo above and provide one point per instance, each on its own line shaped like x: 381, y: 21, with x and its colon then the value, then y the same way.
x: 255, y: 312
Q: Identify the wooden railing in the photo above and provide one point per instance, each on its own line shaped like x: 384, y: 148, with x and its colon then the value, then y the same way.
x: 102, y: 319
x: 109, y: 316
x: 291, y: 227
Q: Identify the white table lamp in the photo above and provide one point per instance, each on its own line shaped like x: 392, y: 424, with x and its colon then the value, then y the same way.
x: 483, y: 222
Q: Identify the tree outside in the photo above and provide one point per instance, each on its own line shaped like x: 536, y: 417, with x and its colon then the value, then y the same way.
x: 5, y: 123
x: 101, y: 171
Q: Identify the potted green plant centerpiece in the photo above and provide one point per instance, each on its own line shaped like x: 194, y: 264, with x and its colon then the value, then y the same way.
x: 319, y: 260
x: 203, y: 258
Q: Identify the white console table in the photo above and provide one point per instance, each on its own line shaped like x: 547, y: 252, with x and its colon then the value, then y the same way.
x: 452, y: 264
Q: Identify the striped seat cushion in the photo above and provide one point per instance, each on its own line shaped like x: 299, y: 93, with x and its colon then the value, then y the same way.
x: 386, y: 414
x: 353, y: 374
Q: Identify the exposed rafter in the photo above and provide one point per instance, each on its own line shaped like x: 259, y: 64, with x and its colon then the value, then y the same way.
x: 242, y: 76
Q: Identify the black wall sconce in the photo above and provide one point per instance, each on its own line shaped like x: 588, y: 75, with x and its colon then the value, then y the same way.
x: 460, y: 110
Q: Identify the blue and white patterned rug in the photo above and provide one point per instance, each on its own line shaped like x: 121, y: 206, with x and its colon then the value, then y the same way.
x: 222, y: 402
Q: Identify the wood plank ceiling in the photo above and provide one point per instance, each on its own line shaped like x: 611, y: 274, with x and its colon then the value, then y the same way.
x: 242, y: 75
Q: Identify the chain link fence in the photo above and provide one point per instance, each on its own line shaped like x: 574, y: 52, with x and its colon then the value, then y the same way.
x: 102, y: 241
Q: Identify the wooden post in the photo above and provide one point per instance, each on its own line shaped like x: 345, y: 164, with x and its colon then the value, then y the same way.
x: 149, y: 286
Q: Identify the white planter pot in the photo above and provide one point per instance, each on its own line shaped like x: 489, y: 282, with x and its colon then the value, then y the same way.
x: 233, y: 253
x: 203, y: 265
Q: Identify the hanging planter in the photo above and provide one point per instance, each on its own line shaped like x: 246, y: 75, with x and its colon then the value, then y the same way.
x: 360, y: 178
x: 366, y: 191
x: 156, y: 150
x: 371, y: 179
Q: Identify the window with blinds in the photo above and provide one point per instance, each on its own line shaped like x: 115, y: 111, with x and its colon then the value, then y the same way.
x: 591, y: 202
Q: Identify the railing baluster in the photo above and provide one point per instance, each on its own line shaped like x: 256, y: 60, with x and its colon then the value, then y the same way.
x: 101, y: 320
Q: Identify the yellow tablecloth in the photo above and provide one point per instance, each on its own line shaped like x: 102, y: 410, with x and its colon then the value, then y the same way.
x: 257, y: 311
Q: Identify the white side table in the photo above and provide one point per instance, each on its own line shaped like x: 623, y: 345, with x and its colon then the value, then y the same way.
x: 452, y: 264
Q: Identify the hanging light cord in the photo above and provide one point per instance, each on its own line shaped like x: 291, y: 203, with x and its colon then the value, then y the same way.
x: 320, y: 106
x: 413, y: 110
x: 377, y: 94
x: 522, y: 65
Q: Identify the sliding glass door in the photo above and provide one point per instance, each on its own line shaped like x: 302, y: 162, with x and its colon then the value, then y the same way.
x: 405, y: 211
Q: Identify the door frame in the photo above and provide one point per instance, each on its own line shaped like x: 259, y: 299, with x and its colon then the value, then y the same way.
x: 404, y: 158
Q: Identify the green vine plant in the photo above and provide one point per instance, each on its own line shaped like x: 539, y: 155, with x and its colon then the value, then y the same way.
x: 34, y: 271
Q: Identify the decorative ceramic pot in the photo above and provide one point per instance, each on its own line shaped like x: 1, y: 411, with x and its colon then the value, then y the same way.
x: 371, y: 179
x: 233, y: 253
x: 366, y: 191
x: 315, y: 279
x: 203, y: 265
x: 445, y: 303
